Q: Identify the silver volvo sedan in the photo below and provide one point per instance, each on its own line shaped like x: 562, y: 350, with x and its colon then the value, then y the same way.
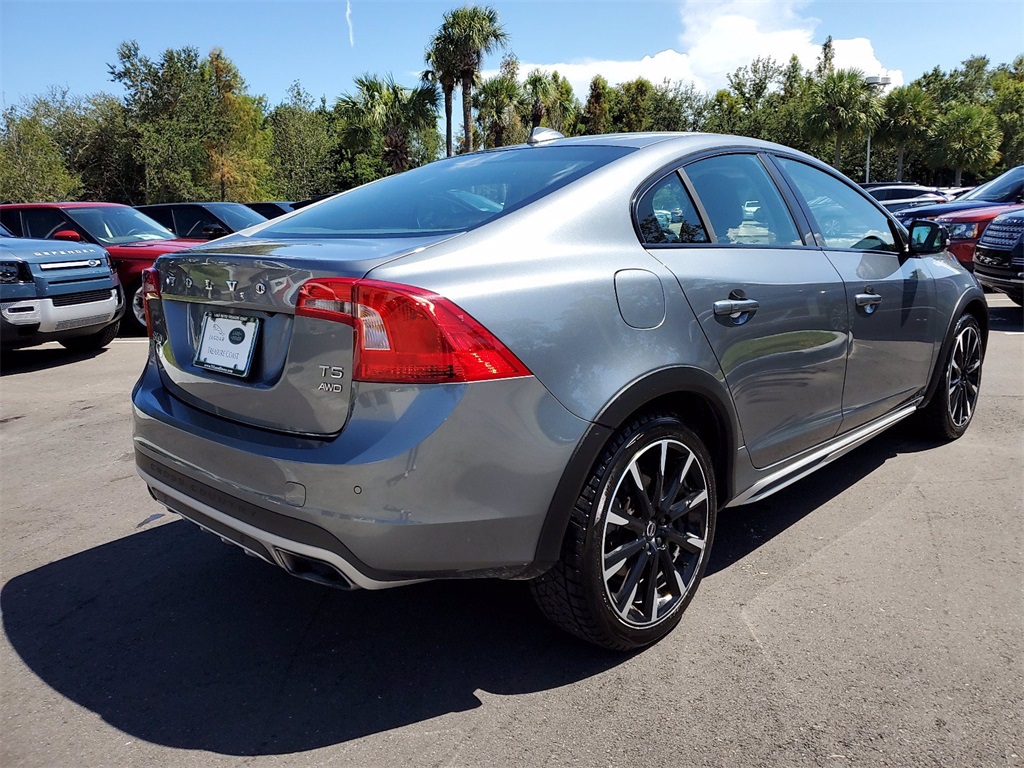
x: 553, y: 362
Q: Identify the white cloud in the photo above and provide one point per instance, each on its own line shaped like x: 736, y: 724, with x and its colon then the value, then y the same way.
x: 718, y: 37
x: 348, y: 20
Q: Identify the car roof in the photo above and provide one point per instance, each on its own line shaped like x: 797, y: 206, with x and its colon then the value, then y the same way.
x: 71, y: 204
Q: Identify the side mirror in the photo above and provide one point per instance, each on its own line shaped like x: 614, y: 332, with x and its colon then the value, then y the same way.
x: 214, y: 231
x: 68, y: 234
x: 927, y: 237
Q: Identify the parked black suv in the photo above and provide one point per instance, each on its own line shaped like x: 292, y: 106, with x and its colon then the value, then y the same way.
x: 999, y: 256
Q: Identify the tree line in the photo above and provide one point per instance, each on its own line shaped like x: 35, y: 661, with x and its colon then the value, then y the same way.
x: 187, y: 127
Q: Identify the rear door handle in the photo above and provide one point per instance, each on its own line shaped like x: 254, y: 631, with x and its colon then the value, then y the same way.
x: 735, y: 306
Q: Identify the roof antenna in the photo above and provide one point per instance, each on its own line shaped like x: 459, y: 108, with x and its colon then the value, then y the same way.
x: 540, y: 135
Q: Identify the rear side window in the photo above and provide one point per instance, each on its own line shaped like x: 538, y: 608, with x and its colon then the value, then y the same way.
x: 666, y: 214
x: 161, y: 215
x: 12, y: 220
x: 844, y: 217
x: 742, y: 202
x: 447, y: 196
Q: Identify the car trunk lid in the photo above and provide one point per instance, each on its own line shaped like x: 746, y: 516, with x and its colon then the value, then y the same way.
x: 298, y: 376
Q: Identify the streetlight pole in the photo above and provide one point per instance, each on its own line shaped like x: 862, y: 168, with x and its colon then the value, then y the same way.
x: 872, y: 81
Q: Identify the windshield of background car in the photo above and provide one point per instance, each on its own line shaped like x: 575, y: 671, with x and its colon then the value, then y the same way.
x: 1007, y: 188
x: 4, y: 232
x: 447, y: 196
x: 110, y: 225
x: 236, y: 215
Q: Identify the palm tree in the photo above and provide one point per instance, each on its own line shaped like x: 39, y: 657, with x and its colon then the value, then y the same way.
x: 967, y: 137
x: 496, y: 100
x: 442, y: 69
x: 381, y: 107
x: 473, y: 31
x: 841, y: 104
x: 538, y: 91
x: 908, y: 114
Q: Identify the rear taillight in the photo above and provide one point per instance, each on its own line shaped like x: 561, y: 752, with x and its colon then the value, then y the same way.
x: 150, y: 290
x: 406, y: 335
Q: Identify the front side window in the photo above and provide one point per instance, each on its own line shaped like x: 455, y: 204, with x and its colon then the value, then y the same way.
x: 118, y: 225
x: 43, y: 223
x: 191, y: 220
x: 446, y: 196
x: 742, y: 202
x: 666, y: 214
x: 844, y: 217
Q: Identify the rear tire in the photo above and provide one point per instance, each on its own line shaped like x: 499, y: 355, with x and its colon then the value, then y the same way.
x: 952, y: 406
x: 638, y: 540
x: 94, y: 341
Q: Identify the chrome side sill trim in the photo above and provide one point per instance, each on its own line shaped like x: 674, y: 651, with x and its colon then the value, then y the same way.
x: 789, y: 474
x: 269, y: 540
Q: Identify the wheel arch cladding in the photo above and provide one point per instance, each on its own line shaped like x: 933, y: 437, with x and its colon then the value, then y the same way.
x: 699, y: 399
x: 975, y: 304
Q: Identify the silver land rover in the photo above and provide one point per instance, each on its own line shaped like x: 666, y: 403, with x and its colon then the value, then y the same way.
x: 514, y: 364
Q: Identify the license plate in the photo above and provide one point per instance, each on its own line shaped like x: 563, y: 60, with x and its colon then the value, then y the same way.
x: 226, y: 343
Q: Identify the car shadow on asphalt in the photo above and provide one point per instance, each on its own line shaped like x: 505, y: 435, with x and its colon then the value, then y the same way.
x: 34, y: 359
x: 175, y: 638
x: 741, y: 530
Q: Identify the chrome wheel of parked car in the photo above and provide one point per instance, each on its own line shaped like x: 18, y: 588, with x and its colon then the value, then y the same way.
x: 137, y: 318
x: 963, y: 376
x: 639, y: 539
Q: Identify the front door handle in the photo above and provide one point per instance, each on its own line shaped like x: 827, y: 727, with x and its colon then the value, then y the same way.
x: 868, y: 301
x: 735, y: 306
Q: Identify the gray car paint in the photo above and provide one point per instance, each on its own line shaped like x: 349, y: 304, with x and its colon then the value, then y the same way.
x: 542, y: 279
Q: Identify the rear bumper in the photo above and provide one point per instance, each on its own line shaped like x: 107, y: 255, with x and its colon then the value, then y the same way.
x: 441, y: 481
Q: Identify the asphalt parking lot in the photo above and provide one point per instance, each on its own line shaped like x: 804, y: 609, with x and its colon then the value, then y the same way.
x: 872, y: 614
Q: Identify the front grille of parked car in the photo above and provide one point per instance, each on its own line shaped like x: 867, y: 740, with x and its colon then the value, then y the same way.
x: 1003, y: 234
x: 66, y: 325
x: 83, y: 297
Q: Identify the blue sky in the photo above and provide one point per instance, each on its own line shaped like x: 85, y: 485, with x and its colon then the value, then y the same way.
x: 275, y: 42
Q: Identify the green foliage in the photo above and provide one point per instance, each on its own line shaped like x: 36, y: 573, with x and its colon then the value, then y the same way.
x: 380, y: 108
x: 596, y: 118
x: 841, y: 105
x: 303, y: 146
x: 467, y: 34
x: 908, y: 114
x: 967, y: 137
x: 498, y: 102
x: 31, y: 166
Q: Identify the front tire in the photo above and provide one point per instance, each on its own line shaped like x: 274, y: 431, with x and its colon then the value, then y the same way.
x: 952, y: 406
x: 94, y: 341
x: 638, y: 539
x: 135, y: 315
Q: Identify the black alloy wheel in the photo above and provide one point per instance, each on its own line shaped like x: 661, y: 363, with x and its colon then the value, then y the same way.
x: 952, y: 407
x: 963, y: 376
x: 639, y: 538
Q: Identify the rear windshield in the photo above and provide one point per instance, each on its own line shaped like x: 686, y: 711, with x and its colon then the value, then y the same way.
x: 447, y: 196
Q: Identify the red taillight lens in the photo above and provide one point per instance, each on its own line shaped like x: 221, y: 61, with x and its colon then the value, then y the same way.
x: 150, y: 290
x: 406, y: 335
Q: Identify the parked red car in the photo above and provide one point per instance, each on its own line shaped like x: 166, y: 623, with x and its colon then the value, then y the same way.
x: 133, y: 239
x: 966, y: 228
